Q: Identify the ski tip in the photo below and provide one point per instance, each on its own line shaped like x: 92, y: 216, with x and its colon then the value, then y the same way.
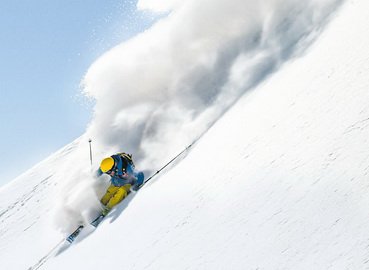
x: 69, y: 240
x: 73, y: 236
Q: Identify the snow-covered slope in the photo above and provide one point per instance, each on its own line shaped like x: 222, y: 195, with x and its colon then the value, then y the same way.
x: 26, y: 203
x: 279, y: 182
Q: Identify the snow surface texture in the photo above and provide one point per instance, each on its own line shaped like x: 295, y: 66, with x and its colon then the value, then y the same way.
x: 279, y: 182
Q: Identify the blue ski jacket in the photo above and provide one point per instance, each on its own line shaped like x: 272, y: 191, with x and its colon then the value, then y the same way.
x: 124, y: 172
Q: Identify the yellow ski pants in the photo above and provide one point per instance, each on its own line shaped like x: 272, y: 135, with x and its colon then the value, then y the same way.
x: 114, y: 195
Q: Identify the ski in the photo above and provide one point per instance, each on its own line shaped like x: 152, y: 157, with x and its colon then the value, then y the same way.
x: 77, y: 231
x: 97, y: 220
x: 74, y: 234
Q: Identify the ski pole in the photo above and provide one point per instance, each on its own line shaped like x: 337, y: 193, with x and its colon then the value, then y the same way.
x: 162, y: 168
x: 89, y: 140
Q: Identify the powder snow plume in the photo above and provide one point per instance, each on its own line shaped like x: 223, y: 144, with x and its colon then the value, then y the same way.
x: 158, y: 91
x: 161, y: 89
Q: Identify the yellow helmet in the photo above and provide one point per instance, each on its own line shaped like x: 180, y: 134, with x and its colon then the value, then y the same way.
x: 107, y: 164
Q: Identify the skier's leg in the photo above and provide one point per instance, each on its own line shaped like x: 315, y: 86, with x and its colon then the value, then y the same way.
x: 109, y: 194
x: 119, y: 195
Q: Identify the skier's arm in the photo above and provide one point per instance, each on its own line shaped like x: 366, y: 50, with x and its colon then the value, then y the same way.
x: 122, y: 180
x: 128, y: 175
x: 99, y: 172
x: 131, y: 179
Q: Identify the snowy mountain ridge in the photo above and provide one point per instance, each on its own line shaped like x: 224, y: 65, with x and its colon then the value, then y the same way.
x: 280, y: 181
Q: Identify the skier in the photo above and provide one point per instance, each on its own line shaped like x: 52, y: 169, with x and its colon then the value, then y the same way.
x: 124, y: 177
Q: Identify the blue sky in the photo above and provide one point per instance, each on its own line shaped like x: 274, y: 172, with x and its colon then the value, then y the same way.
x: 46, y: 47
